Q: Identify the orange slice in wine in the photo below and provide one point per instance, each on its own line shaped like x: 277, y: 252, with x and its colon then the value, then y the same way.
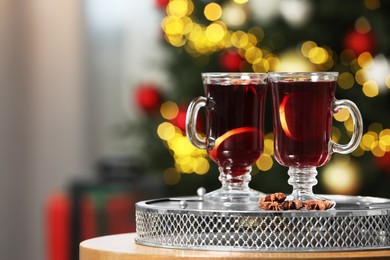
x: 232, y: 139
x: 300, y: 116
x: 283, y: 117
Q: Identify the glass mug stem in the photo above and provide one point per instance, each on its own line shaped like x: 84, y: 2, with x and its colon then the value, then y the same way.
x: 302, y: 180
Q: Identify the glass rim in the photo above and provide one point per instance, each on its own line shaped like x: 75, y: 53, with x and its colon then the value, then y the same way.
x: 304, y: 76
x: 234, y: 78
x: 231, y: 74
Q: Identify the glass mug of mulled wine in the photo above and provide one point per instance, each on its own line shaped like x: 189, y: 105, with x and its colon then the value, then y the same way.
x: 234, y: 137
x: 303, y: 106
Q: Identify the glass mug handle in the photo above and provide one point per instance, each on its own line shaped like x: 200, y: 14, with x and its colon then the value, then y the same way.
x: 357, y: 127
x: 191, y: 119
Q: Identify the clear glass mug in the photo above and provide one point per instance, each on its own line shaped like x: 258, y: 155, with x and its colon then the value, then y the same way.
x: 303, y: 106
x: 234, y: 137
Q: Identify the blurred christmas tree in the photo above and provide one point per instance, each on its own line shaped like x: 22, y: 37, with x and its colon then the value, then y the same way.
x: 349, y: 36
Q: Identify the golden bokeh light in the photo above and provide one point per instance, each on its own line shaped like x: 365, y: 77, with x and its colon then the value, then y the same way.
x: 239, y: 39
x: 215, y: 32
x: 240, y: 1
x: 253, y: 55
x: 346, y: 80
x: 375, y: 127
x: 169, y: 110
x: 365, y: 60
x: 362, y: 25
x: 179, y: 8
x: 384, y: 140
x: 377, y: 151
x: 269, y: 146
x: 336, y: 134
x: 186, y: 164
x: 212, y: 11
x: 171, y: 176
x: 182, y: 147
x: 385, y: 133
x: 387, y: 81
x: 306, y: 47
x: 273, y: 62
x: 372, y: 4
x: 342, y: 177
x: 342, y: 115
x: 261, y: 66
x: 188, y: 159
x: 198, y: 40
x: 370, y: 88
x: 196, y: 33
x: 252, y: 41
x: 291, y: 61
x: 203, y: 166
x: 166, y: 131
x: 368, y: 141
x: 328, y: 64
x: 318, y: 55
x: 172, y: 25
x: 349, y: 125
x: 187, y: 24
x: 176, y: 40
x: 361, y: 76
x: 265, y: 162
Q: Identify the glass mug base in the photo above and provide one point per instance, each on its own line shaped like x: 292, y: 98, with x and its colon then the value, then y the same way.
x: 231, y: 197
x: 305, y: 198
x: 234, y: 191
x: 303, y: 180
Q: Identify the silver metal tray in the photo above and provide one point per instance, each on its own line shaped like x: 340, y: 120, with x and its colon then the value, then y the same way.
x: 356, y: 223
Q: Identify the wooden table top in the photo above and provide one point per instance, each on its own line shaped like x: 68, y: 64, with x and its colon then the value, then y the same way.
x: 123, y: 247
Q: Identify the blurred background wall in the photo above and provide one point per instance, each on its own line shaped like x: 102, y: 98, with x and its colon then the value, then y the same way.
x: 44, y: 139
x: 61, y: 91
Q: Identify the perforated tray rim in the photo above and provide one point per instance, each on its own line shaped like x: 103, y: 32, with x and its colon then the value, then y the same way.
x: 356, y: 223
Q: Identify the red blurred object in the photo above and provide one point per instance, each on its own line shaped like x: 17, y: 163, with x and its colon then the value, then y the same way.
x: 115, y: 215
x: 58, y: 229
x: 383, y: 162
x: 88, y: 222
x: 148, y: 97
x: 359, y: 42
x: 97, y: 206
x: 230, y: 60
x: 180, y: 120
x: 120, y: 210
x: 161, y: 3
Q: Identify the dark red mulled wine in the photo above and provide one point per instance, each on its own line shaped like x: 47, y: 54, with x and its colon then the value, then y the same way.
x: 302, y: 122
x: 235, y: 121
